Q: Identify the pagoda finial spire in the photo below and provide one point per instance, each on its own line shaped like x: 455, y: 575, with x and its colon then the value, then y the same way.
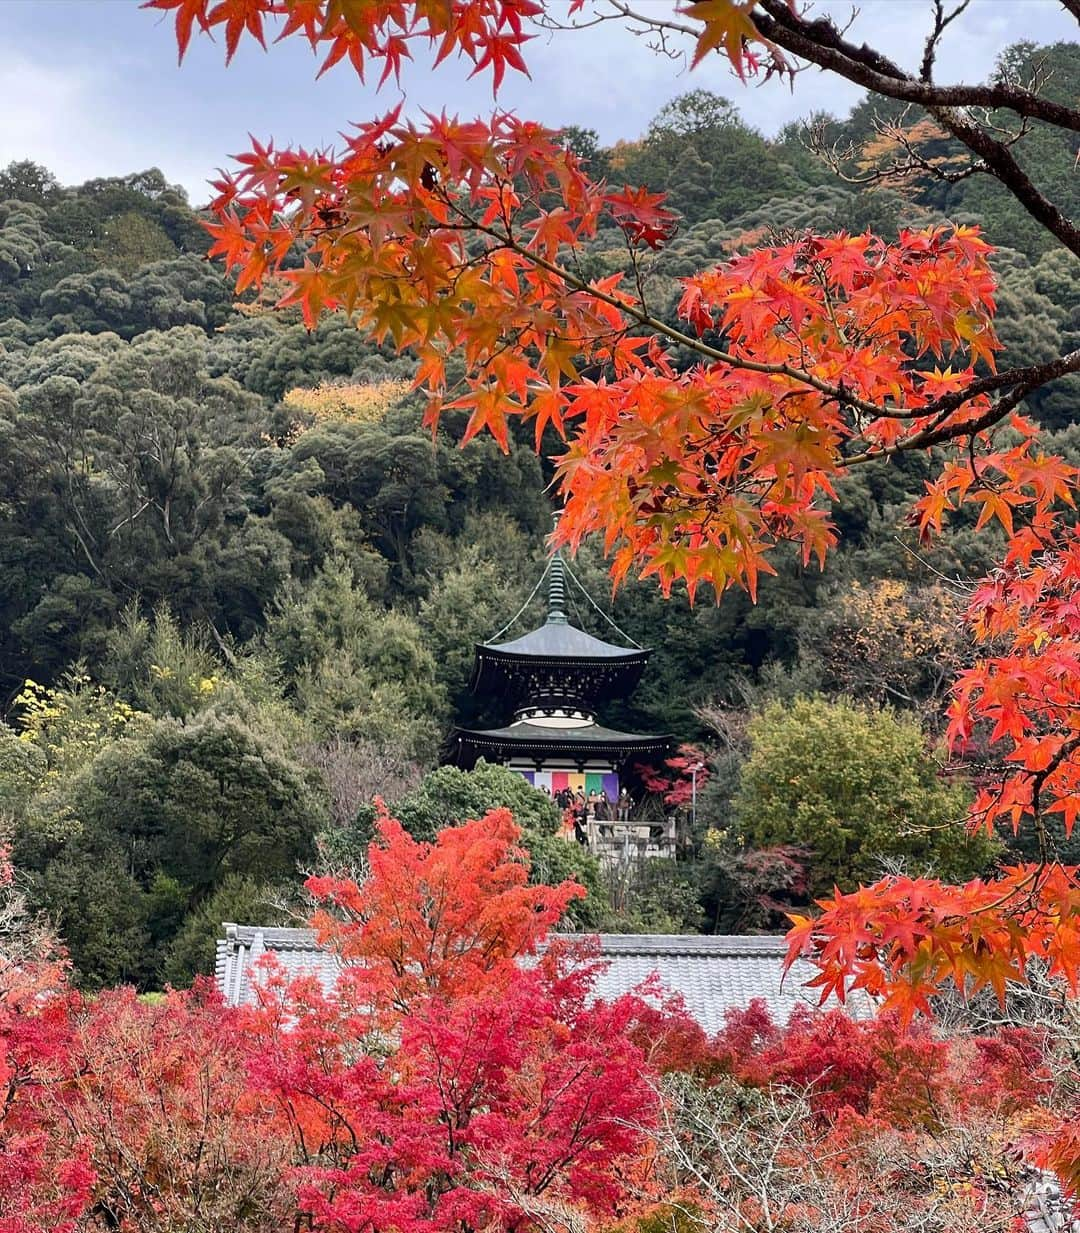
x: 556, y: 584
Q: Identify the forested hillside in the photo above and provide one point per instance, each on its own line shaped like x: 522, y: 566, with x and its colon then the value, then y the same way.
x: 240, y: 584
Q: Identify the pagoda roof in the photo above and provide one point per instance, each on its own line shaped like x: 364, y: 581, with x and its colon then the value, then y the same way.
x: 557, y: 659
x: 542, y: 741
x: 560, y: 640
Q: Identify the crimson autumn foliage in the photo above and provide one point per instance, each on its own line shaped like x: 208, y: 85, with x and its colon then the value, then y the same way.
x: 493, y: 1092
x: 689, y: 473
x: 882, y: 1070
x: 695, y: 450
x: 459, y: 1075
x: 116, y: 1113
x: 684, y: 773
x: 872, y: 1125
x: 44, y: 1182
x: 447, y: 919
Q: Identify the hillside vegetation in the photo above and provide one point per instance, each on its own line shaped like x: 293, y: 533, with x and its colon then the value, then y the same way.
x: 240, y: 584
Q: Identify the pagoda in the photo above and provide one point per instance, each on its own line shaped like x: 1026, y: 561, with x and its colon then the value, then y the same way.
x: 554, y: 679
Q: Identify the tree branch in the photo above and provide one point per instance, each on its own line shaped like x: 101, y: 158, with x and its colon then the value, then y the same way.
x: 1019, y: 381
x: 819, y: 42
x: 880, y: 74
x: 938, y: 434
x: 941, y: 22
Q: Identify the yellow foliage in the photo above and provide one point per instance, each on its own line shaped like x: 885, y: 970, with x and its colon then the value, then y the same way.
x: 353, y: 402
x: 266, y: 301
x: 889, y: 609
x: 203, y: 685
x: 69, y: 725
x: 621, y: 153
x: 889, y: 639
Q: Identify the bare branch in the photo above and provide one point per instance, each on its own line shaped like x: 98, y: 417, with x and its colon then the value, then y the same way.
x: 941, y: 21
x: 819, y: 42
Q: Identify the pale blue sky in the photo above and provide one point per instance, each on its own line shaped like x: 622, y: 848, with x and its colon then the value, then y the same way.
x: 92, y: 87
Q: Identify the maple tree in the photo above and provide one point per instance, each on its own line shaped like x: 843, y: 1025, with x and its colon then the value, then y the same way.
x: 696, y: 449
x: 157, y: 1096
x: 121, y: 1114
x: 679, y: 779
x: 42, y: 1183
x: 458, y: 1075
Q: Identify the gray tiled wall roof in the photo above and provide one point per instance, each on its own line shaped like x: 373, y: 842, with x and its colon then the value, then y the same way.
x: 712, y: 974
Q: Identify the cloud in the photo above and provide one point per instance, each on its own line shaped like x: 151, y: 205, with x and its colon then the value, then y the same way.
x: 77, y: 120
x: 41, y: 106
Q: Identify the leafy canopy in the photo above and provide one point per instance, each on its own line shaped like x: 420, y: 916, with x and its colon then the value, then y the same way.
x: 856, y: 787
x: 491, y: 1093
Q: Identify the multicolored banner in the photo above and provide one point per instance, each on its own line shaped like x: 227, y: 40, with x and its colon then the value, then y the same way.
x: 576, y: 781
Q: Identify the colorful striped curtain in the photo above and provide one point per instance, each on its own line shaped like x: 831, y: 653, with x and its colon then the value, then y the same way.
x: 591, y: 781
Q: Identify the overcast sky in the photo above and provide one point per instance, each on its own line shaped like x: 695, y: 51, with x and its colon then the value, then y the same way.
x: 92, y: 87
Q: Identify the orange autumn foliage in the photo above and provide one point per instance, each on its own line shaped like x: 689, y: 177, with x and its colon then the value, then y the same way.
x: 444, y: 919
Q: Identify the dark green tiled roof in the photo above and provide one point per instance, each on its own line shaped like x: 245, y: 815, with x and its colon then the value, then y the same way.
x: 591, y: 734
x: 560, y: 640
x: 536, y: 740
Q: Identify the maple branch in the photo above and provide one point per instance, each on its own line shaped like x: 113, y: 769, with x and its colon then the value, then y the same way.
x: 819, y: 42
x: 1038, y: 782
x: 657, y: 23
x: 882, y: 75
x: 836, y: 156
x: 640, y: 315
x: 1002, y: 164
x: 1023, y: 380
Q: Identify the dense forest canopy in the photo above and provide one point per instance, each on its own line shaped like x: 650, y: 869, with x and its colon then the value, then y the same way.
x: 241, y: 584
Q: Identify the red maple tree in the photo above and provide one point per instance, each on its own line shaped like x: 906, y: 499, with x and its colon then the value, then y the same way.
x: 681, y: 775
x: 45, y: 1179
x: 827, y: 1123
x: 117, y: 1113
x: 458, y: 1075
